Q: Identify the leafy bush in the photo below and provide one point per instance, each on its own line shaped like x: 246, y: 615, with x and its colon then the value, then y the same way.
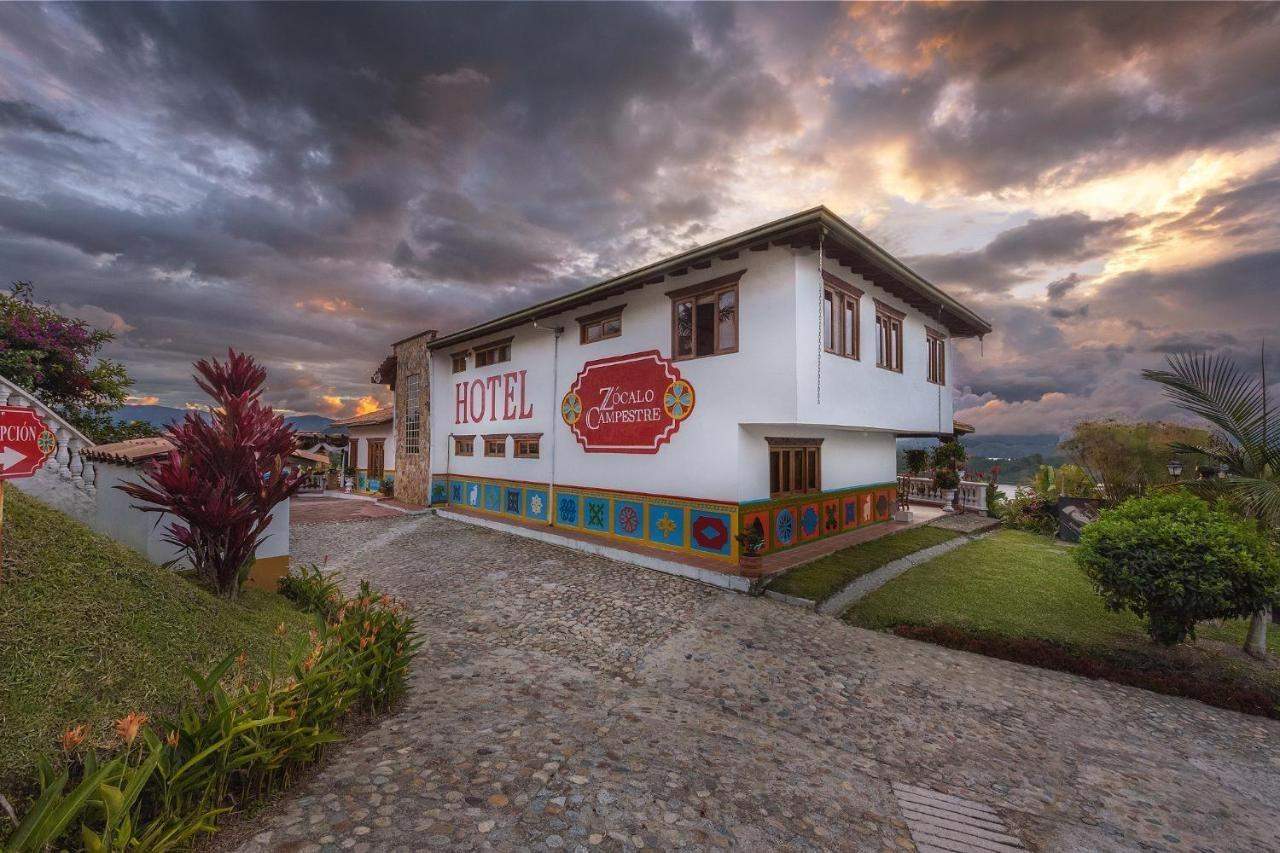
x: 225, y: 475
x: 1028, y: 511
x: 916, y: 459
x: 946, y: 478
x: 1174, y: 560
x: 244, y: 740
x: 312, y: 590
x: 949, y: 454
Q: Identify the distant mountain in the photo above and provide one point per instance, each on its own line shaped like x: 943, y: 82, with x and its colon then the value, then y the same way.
x: 998, y: 446
x: 160, y: 416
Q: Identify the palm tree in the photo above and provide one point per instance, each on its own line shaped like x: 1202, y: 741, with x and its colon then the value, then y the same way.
x: 1244, y: 445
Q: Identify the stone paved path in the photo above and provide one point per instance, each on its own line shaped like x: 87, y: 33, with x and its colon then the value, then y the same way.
x: 567, y: 702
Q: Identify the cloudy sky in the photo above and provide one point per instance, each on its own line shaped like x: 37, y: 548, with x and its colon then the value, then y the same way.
x: 310, y: 183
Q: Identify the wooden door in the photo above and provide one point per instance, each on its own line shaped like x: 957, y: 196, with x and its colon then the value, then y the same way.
x: 374, y: 469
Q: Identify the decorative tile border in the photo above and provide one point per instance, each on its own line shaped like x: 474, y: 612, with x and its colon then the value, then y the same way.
x: 787, y: 522
x: 699, y: 528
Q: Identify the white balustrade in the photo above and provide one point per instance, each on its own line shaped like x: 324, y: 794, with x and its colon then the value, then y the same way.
x: 65, y: 462
x: 973, y: 494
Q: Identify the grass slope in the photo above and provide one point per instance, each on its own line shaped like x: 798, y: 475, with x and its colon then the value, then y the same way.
x: 823, y: 578
x: 89, y: 630
x: 1020, y: 596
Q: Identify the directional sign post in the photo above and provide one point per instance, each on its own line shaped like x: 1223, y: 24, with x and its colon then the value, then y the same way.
x: 25, y: 443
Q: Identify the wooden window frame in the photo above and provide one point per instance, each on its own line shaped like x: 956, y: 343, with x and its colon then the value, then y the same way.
x: 713, y: 288
x: 936, y: 371
x: 522, y: 443
x: 599, y: 318
x: 481, y: 352
x: 457, y: 357
x: 464, y: 441
x: 795, y: 466
x: 413, y: 413
x: 843, y: 295
x: 888, y: 318
x: 493, y: 440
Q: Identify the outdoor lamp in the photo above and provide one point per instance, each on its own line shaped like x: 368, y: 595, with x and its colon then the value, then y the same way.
x: 1175, y: 468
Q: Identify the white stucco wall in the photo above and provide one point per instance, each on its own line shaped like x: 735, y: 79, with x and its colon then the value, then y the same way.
x: 768, y: 387
x: 115, y: 516
x: 386, y: 432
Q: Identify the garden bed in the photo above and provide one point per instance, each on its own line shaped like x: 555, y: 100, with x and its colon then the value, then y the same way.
x: 92, y: 630
x: 823, y: 578
x: 1019, y: 596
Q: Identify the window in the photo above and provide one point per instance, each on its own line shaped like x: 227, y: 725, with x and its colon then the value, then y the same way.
x: 704, y: 318
x: 464, y: 445
x: 353, y: 453
x: 412, y: 414
x: 601, y: 325
x: 888, y: 337
x: 840, y: 317
x: 937, y: 356
x: 495, y: 445
x: 459, y: 361
x: 527, y: 446
x: 795, y: 466
x: 494, y: 353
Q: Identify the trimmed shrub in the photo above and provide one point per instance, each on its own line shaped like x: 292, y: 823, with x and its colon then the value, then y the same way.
x: 1174, y: 560
x: 1028, y: 511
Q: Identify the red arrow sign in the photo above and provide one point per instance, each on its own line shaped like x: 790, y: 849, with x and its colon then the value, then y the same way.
x: 25, y: 442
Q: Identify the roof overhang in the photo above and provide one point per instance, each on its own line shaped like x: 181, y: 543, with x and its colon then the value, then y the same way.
x: 839, y: 240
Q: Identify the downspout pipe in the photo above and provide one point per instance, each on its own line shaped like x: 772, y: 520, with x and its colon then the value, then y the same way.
x: 557, y: 331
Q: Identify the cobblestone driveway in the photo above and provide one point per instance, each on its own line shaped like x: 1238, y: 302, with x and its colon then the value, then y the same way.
x: 568, y: 702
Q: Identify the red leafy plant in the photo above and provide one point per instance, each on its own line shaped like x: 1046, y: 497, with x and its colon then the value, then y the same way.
x: 225, y: 474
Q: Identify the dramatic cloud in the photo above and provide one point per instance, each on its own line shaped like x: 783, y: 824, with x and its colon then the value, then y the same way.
x: 312, y: 182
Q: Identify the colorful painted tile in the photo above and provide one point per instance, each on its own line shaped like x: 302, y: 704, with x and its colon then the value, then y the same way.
x: 760, y: 522
x: 883, y: 505
x: 709, y: 531
x: 628, y: 519
x: 850, y: 512
x: 439, y: 491
x: 595, y: 514
x: 372, y: 484
x: 513, y: 501
x: 535, y: 504
x: 493, y: 497
x: 810, y: 521
x: 455, y: 492
x: 567, y: 510
x: 866, y: 507
x: 830, y: 517
x: 666, y: 525
x: 784, y: 526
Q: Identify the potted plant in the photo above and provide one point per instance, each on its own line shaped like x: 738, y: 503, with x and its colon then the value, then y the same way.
x: 348, y: 480
x: 917, y: 459
x: 947, y: 481
x: 948, y: 458
x: 750, y: 561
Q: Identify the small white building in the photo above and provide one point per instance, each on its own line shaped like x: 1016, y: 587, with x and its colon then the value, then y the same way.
x: 756, y: 382
x: 371, y: 448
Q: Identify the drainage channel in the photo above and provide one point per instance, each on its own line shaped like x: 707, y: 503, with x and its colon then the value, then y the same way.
x: 941, y: 823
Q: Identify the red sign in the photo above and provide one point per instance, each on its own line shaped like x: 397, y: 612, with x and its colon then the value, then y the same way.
x: 25, y: 442
x: 627, y: 403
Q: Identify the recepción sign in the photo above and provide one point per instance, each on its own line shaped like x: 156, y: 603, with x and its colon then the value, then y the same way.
x: 627, y: 403
x: 25, y: 442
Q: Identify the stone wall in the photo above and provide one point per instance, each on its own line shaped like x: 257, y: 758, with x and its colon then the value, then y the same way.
x: 413, y: 470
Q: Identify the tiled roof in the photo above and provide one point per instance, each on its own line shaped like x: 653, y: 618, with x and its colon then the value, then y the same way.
x: 309, y: 456
x: 379, y: 416
x: 129, y: 452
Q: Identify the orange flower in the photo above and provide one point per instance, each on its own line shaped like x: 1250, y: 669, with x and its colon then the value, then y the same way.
x: 242, y: 659
x: 281, y: 630
x: 385, y: 600
x: 128, y: 725
x: 72, y: 737
x: 314, y: 635
x: 308, y: 664
x: 172, y: 739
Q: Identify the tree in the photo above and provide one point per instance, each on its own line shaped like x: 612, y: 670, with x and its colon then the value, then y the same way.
x: 53, y: 356
x: 917, y: 459
x: 225, y: 474
x: 1243, y: 447
x: 1127, y: 459
x: 1174, y: 560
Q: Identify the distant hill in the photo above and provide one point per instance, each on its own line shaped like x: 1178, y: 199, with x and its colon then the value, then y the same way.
x: 159, y: 416
x: 1017, y: 456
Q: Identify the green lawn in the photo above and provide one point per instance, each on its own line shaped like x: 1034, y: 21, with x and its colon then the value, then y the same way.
x: 1025, y: 588
x: 823, y: 578
x: 89, y: 630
